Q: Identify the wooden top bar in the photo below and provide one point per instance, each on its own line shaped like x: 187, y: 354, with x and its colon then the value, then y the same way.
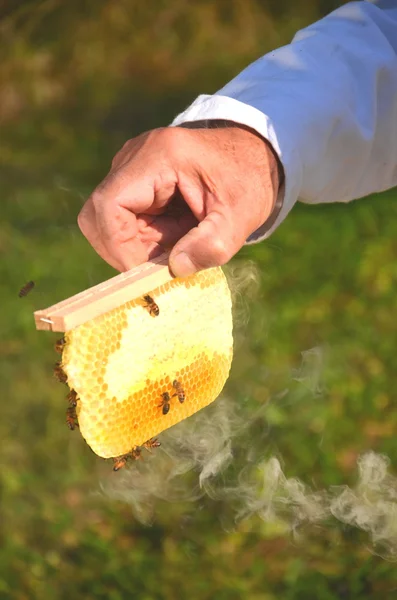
x: 105, y: 296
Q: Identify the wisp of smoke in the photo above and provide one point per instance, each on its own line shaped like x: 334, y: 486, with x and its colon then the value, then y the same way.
x: 372, y: 504
x: 244, y: 281
x: 212, y: 455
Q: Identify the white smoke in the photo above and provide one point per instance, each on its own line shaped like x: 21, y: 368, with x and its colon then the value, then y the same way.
x: 213, y: 454
x: 196, y: 460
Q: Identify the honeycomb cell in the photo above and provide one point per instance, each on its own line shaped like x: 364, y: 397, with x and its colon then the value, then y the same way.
x: 120, y: 363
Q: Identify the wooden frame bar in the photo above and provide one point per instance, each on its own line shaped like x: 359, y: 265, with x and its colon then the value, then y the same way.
x: 105, y: 296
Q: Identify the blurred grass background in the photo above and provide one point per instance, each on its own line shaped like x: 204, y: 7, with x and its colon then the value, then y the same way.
x: 76, y: 80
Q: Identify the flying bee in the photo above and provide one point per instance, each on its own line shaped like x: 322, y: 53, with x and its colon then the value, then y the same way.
x: 72, y: 397
x: 121, y: 461
x: 151, y: 444
x: 59, y: 373
x: 59, y: 345
x: 180, y: 392
x: 152, y: 307
x: 71, y: 418
x: 24, y: 291
x: 165, y: 402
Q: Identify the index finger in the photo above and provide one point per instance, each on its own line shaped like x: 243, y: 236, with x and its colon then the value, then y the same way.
x: 110, y: 218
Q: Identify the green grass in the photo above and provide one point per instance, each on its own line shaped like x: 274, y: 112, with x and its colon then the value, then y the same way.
x: 328, y: 281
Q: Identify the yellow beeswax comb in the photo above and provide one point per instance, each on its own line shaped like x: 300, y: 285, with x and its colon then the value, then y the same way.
x: 149, y: 363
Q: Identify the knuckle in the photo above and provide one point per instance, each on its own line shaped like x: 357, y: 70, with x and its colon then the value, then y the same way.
x: 128, y: 150
x: 80, y: 221
x: 126, y: 145
x: 119, y: 157
x: 169, y: 138
x: 217, y: 251
x: 96, y: 197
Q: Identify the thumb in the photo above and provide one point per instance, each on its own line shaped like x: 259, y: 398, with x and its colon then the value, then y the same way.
x: 211, y: 244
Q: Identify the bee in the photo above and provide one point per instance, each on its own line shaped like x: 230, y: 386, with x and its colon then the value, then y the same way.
x: 152, y: 307
x: 165, y: 402
x: 72, y: 397
x: 59, y: 373
x: 180, y: 392
x: 135, y: 453
x: 59, y: 345
x: 24, y: 291
x: 120, y: 461
x: 71, y: 418
x: 151, y: 444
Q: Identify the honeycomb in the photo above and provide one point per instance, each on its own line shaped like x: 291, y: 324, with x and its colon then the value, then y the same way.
x: 120, y: 363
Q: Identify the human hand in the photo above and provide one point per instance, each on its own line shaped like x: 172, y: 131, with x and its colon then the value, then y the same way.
x: 201, y: 192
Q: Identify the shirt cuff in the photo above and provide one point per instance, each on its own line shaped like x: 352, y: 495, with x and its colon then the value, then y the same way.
x: 207, y: 107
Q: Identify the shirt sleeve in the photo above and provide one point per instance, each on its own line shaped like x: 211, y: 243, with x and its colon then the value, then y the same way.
x: 327, y: 103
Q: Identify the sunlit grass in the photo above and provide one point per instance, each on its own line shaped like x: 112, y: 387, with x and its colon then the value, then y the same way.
x: 318, y: 349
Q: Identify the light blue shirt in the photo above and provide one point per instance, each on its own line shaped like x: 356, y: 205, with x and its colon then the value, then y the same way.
x: 327, y: 103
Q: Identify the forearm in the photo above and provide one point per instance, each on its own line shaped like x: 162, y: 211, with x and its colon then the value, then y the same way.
x: 327, y: 103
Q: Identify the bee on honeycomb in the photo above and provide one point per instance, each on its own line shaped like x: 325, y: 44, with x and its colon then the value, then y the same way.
x: 72, y: 398
x: 71, y: 418
x: 165, y: 402
x: 151, y: 444
x: 121, y: 461
x: 59, y: 373
x: 180, y: 392
x: 59, y: 345
x: 152, y: 307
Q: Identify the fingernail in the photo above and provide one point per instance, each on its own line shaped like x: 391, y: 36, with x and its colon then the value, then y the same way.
x: 181, y: 265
